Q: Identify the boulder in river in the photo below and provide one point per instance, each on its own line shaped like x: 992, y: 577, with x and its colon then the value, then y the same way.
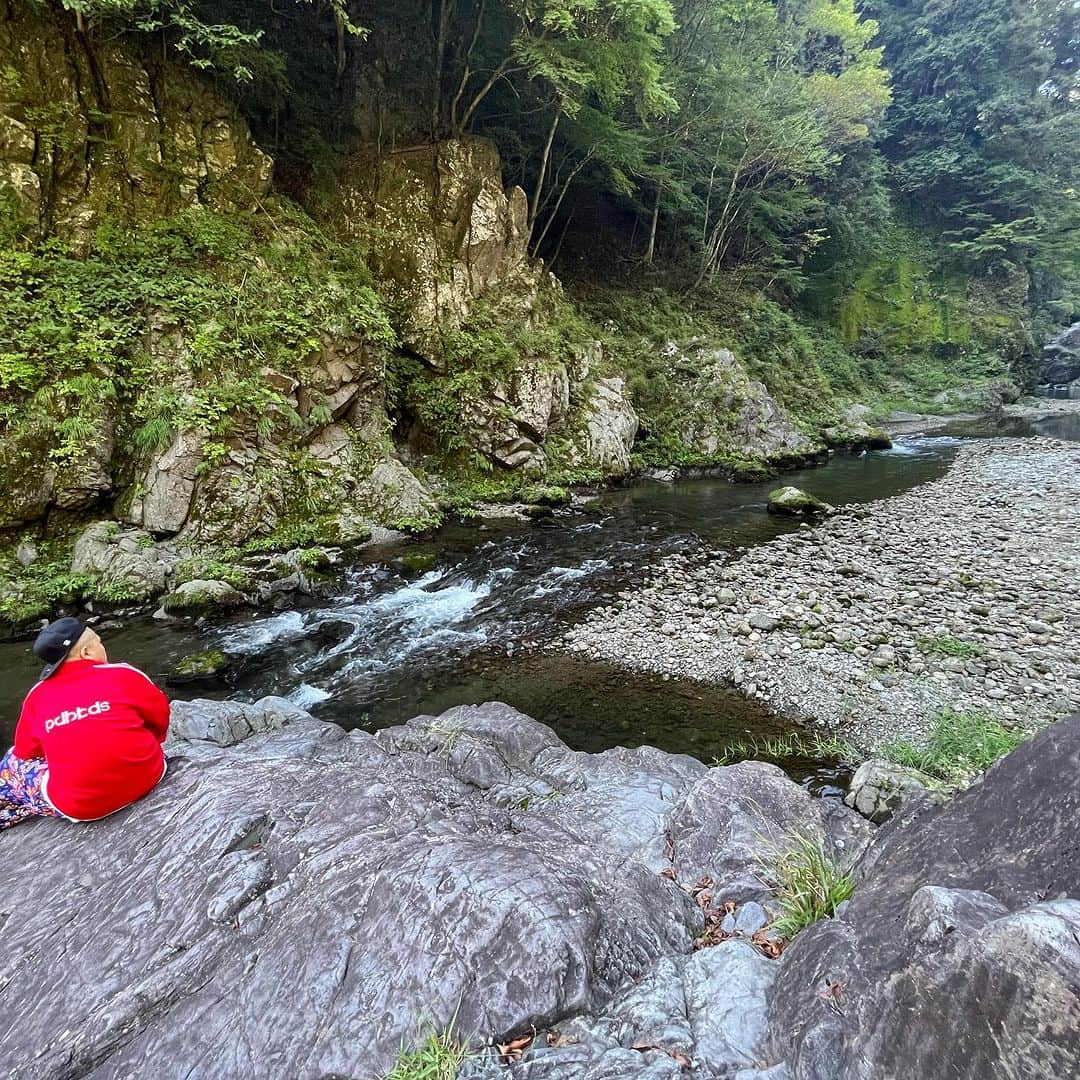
x: 199, y: 667
x: 794, y: 502
x: 198, y: 597
x: 854, y: 432
x: 879, y: 789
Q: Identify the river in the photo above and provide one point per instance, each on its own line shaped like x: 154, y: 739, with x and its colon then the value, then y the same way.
x: 390, y: 645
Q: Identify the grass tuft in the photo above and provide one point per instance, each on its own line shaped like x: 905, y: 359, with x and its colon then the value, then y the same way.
x: 786, y: 746
x: 961, y: 745
x: 437, y: 1058
x: 809, y: 885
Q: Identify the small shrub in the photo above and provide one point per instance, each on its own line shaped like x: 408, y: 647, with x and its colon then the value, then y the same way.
x: 284, y: 538
x: 437, y: 1058
x: 947, y: 645
x: 315, y: 558
x: 960, y: 746
x: 809, y: 884
x: 209, y: 568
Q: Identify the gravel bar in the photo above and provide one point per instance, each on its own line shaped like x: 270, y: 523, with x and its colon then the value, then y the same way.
x: 962, y: 593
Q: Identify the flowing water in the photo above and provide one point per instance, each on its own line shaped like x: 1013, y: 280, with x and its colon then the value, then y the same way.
x: 390, y: 645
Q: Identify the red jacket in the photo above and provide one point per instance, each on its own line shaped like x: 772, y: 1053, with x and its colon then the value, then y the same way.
x: 100, y: 728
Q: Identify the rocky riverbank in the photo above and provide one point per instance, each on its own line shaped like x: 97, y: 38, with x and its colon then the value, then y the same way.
x: 960, y: 594
x: 294, y: 900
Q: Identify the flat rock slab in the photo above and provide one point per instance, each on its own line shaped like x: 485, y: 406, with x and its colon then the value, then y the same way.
x: 307, y: 902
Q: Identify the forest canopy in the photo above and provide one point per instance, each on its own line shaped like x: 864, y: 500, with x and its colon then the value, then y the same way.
x: 775, y: 139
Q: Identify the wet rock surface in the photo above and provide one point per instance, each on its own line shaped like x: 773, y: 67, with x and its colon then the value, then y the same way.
x: 960, y: 594
x: 344, y: 892
x: 1059, y: 364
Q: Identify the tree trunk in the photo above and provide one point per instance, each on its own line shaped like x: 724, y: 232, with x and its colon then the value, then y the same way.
x: 339, y: 26
x: 466, y: 72
x: 445, y: 14
x: 534, y: 208
x: 504, y: 68
x: 559, y: 201
x: 650, y: 251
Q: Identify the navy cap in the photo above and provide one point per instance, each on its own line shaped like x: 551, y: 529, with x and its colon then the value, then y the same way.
x: 55, y: 641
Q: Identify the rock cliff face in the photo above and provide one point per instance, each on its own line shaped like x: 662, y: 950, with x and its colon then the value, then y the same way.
x: 1059, y: 365
x: 90, y: 129
x: 106, y: 140
x: 443, y: 232
x: 307, y: 901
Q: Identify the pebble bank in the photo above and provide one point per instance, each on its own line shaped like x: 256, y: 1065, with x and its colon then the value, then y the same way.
x: 961, y: 593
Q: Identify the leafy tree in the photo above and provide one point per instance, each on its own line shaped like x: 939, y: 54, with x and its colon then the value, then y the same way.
x: 206, y: 42
x: 771, y: 97
x: 984, y: 134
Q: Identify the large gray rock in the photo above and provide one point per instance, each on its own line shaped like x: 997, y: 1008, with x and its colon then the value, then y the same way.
x: 171, y: 140
x: 225, y: 723
x: 342, y: 892
x: 198, y: 597
x: 609, y: 427
x: 168, y: 486
x: 392, y: 495
x: 1059, y: 364
x: 726, y: 990
x: 794, y: 502
x: 88, y: 477
x: 509, y: 421
x: 722, y: 411
x: 957, y: 956
x: 123, y: 562
x: 730, y: 823
x: 879, y: 789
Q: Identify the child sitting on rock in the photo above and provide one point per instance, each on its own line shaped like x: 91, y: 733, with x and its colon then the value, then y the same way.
x: 88, y: 741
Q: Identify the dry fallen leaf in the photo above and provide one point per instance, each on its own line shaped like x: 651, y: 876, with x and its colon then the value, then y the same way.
x: 771, y: 947
x: 676, y: 1055
x: 512, y: 1050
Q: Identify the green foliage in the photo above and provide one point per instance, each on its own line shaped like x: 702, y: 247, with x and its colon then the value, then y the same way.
x: 477, y: 356
x: 34, y: 592
x: 809, y: 884
x: 985, y: 128
x: 801, y: 365
x: 314, y: 558
x: 438, y: 1057
x: 225, y: 298
x: 285, y: 537
x: 217, y: 566
x: 960, y: 746
x: 194, y: 29
x: 947, y: 645
x: 788, y: 747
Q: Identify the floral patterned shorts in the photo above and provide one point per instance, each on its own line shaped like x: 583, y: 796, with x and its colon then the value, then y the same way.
x: 21, y: 796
